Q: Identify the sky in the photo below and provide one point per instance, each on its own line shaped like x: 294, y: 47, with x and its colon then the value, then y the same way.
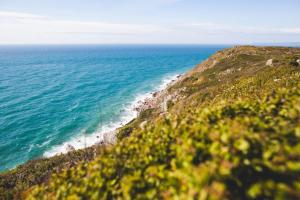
x: 149, y: 21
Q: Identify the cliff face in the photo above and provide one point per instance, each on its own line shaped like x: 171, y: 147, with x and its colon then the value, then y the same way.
x: 228, y: 129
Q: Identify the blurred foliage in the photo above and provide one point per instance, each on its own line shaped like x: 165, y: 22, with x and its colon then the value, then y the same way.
x: 14, y: 182
x: 234, y: 134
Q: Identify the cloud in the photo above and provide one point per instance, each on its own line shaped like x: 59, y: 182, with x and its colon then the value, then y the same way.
x: 221, y: 28
x: 18, y: 15
x: 26, y: 26
x: 154, y: 3
x: 291, y: 30
x: 20, y: 27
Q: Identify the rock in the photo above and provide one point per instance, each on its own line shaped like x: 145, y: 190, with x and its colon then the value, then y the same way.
x: 70, y: 148
x: 269, y: 62
x: 143, y: 124
x: 226, y: 72
x: 215, y: 62
x: 164, y: 105
x: 109, y: 137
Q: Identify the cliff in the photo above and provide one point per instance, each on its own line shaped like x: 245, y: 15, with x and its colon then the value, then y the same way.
x: 228, y: 129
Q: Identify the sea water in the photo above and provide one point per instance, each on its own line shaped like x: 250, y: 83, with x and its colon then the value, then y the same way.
x: 53, y: 96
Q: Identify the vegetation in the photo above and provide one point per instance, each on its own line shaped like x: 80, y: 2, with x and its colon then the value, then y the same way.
x: 14, y: 182
x: 234, y: 133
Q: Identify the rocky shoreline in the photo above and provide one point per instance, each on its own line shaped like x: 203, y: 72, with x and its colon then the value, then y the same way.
x: 157, y: 98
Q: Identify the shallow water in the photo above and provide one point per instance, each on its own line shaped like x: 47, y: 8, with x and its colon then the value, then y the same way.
x: 51, y: 95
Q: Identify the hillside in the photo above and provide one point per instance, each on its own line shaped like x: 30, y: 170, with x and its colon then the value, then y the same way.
x: 228, y: 129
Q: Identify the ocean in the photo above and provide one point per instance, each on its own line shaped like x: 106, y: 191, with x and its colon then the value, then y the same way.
x: 52, y: 96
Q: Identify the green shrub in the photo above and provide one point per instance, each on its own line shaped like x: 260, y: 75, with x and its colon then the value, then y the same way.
x: 124, y: 132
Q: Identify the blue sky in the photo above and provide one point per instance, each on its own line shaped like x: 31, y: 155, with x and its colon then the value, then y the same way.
x: 149, y: 21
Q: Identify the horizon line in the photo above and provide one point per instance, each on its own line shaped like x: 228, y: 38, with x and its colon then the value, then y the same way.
x: 246, y: 43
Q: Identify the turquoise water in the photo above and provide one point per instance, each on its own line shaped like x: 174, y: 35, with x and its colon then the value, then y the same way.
x: 51, y: 95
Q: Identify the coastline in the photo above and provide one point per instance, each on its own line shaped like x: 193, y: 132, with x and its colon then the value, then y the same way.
x: 107, y: 133
x: 196, y: 122
x: 84, y: 97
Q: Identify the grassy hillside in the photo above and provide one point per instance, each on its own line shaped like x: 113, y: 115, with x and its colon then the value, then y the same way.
x: 14, y: 182
x: 231, y: 131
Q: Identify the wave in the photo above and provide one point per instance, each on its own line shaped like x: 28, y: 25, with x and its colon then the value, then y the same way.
x: 106, y: 133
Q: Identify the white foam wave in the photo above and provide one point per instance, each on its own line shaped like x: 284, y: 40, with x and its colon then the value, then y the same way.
x: 167, y: 80
x: 106, y: 133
